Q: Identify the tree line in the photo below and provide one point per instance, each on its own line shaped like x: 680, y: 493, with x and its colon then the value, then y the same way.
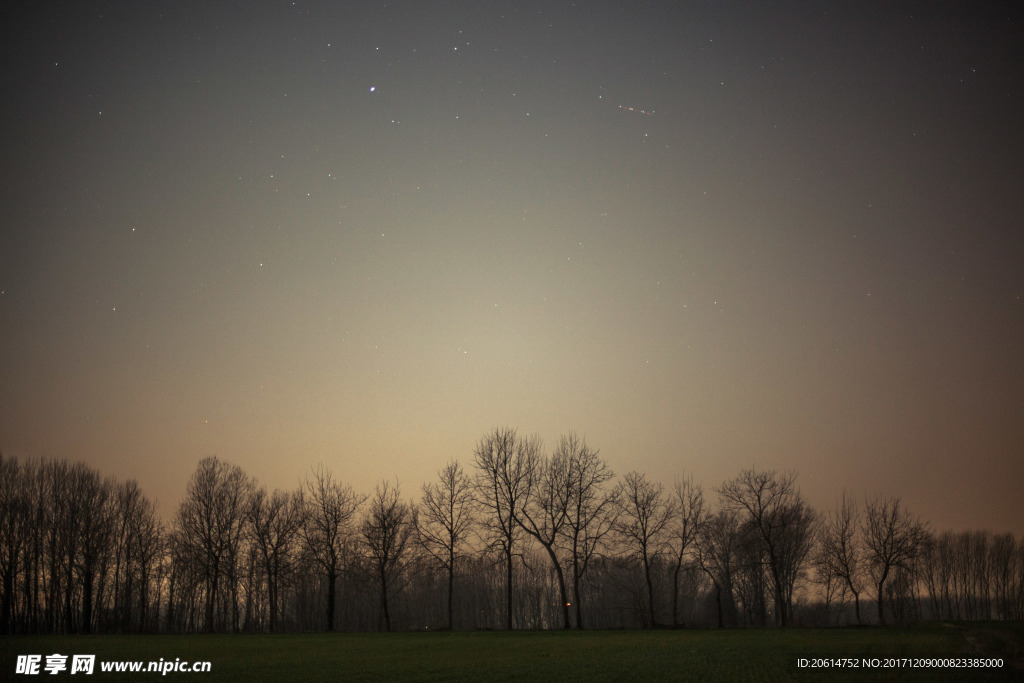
x: 521, y: 538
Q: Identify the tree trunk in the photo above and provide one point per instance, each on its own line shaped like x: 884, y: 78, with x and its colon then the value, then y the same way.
x: 675, y: 595
x: 576, y: 600
x: 87, y: 587
x: 508, y: 587
x: 211, y: 598
x: 451, y: 593
x: 650, y: 591
x: 6, y: 609
x: 332, y: 577
x: 718, y: 599
x: 881, y: 602
x: 384, y: 600
x: 576, y: 585
x: 565, y: 597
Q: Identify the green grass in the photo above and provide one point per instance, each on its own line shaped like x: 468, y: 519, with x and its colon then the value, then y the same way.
x: 751, y: 655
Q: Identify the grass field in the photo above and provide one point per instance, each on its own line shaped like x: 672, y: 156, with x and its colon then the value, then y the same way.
x: 758, y: 655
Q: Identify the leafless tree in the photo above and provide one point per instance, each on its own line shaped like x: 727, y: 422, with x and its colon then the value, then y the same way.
x: 275, y: 521
x: 834, y: 590
x: 138, y: 541
x: 150, y: 545
x: 50, y: 565
x: 773, y: 506
x: 717, y: 549
x: 980, y: 575
x: 386, y: 531
x: 690, y: 516
x: 970, y: 575
x: 939, y: 575
x: 751, y: 583
x: 126, y: 499
x: 645, y: 515
x: 444, y: 522
x: 185, y: 584
x: 1017, y: 570
x: 329, y: 511
x: 546, y: 512
x: 1002, y: 563
x: 210, y: 524
x: 841, y: 548
x: 34, y: 481
x: 506, y: 465
x: 893, y: 540
x: 797, y: 535
x: 15, y: 533
x: 82, y: 553
x: 591, y: 512
x: 94, y: 522
x: 63, y: 542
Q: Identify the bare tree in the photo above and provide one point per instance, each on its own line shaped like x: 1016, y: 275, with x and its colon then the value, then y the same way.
x: 94, y: 519
x: 893, y: 540
x: 797, y: 534
x: 275, y: 521
x: 591, y: 512
x: 690, y: 517
x: 506, y: 464
x: 751, y: 582
x: 444, y: 522
x: 773, y: 506
x: 150, y: 546
x: 717, y: 549
x: 34, y: 479
x: 833, y: 587
x: 15, y: 532
x: 138, y: 538
x: 939, y: 576
x: 65, y: 537
x: 981, y: 574
x: 545, y: 514
x: 1002, y: 562
x: 210, y: 524
x: 62, y: 547
x: 840, y: 549
x: 645, y: 515
x: 386, y: 530
x: 329, y: 511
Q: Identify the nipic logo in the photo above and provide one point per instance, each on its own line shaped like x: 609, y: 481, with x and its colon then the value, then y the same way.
x: 55, y: 664
x: 32, y: 665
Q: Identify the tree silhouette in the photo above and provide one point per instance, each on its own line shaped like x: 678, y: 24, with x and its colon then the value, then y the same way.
x: 591, y: 511
x: 545, y: 514
x: 893, y: 540
x: 329, y: 511
x: 276, y: 522
x: 691, y: 515
x: 506, y: 466
x: 645, y: 515
x: 386, y: 531
x: 840, y: 548
x: 210, y: 524
x: 774, y: 508
x: 444, y: 521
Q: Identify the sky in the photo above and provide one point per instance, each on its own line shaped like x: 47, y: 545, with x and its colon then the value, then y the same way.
x: 706, y: 236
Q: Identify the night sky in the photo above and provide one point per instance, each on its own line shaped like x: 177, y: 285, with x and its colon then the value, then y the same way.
x: 707, y: 236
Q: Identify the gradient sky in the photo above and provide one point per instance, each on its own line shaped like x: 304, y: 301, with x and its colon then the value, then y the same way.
x: 707, y: 236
